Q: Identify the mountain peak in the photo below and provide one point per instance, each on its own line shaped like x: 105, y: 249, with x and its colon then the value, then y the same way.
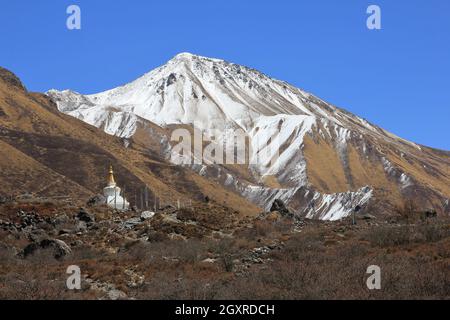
x: 187, y: 56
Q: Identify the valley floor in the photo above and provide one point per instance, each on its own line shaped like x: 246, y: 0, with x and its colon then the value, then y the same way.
x: 209, y: 252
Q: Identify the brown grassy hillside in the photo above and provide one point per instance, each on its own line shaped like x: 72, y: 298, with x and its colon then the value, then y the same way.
x: 51, y: 154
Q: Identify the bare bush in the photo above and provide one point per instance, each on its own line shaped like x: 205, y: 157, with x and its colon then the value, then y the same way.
x: 386, y: 236
x: 227, y: 262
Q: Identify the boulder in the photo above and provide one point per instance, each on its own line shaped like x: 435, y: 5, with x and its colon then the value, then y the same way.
x: 209, y: 260
x: 147, y: 215
x: 59, y: 248
x: 37, y: 235
x: 131, y: 223
x: 81, y: 226
x: 96, y: 201
x: 85, y: 216
x: 61, y: 219
x: 115, y: 294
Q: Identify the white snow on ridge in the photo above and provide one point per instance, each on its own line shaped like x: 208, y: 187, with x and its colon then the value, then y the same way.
x: 188, y: 89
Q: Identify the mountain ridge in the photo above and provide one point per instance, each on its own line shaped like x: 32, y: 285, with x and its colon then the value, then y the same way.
x: 213, y: 94
x: 331, y: 152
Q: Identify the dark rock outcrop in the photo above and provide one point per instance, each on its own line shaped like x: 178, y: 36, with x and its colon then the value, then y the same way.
x: 280, y: 207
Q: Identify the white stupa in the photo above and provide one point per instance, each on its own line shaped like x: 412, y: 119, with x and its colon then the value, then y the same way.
x: 112, y: 193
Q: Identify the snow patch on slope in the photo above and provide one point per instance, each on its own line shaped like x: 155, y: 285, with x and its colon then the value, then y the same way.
x: 337, y: 206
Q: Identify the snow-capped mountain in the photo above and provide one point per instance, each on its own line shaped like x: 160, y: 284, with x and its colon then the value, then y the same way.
x: 329, y: 162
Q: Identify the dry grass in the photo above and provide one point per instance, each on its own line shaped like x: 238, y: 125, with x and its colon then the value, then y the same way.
x: 324, y: 261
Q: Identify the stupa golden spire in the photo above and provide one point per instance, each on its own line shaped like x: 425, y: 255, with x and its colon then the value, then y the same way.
x: 111, y: 181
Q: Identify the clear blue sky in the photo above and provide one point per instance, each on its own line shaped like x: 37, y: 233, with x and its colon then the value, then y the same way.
x: 398, y: 77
